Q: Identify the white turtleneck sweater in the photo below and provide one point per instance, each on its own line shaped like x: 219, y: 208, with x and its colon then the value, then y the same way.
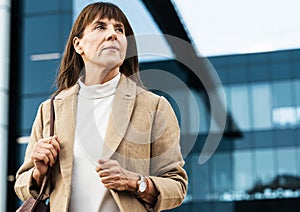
x: 93, y: 110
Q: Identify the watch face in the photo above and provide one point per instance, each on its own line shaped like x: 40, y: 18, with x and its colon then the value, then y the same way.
x: 143, y: 186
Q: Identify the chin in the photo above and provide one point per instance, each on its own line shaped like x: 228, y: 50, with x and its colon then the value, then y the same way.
x: 113, y: 63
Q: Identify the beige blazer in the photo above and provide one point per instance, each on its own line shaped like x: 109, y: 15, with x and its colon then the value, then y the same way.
x: 142, y: 134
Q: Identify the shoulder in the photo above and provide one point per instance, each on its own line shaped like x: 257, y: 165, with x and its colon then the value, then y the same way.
x: 146, y: 94
x: 63, y: 95
x: 150, y: 99
x: 45, y: 105
x: 69, y: 92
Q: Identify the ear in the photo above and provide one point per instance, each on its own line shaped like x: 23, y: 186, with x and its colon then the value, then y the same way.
x: 77, y: 46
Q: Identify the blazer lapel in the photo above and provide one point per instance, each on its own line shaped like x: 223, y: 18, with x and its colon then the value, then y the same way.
x: 122, y: 108
x: 65, y: 105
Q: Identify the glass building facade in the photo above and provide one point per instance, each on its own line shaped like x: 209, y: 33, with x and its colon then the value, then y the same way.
x: 257, y: 163
x: 262, y: 163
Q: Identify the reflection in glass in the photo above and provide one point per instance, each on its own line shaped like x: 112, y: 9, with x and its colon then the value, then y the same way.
x: 284, y: 117
x: 261, y: 105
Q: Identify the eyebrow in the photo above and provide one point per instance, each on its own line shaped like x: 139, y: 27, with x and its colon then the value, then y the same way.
x: 117, y: 24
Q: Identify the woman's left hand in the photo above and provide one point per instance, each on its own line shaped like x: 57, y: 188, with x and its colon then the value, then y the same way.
x: 113, y: 176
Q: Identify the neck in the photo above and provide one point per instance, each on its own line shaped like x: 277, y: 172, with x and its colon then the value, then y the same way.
x: 94, y: 76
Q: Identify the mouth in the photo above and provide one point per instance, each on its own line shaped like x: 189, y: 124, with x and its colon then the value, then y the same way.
x: 110, y: 48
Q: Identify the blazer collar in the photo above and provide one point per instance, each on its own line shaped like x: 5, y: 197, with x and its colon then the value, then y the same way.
x: 126, y: 88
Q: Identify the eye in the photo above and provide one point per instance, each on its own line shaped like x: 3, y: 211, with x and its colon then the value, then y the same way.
x: 120, y: 29
x: 100, y: 26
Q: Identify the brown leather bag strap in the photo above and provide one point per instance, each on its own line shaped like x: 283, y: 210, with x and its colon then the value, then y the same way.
x: 52, y: 117
x: 47, y: 176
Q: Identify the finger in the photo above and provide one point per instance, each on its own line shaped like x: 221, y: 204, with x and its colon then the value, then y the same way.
x: 37, y: 156
x: 40, y: 157
x: 56, y: 138
x: 97, y: 169
x: 42, y: 143
x: 114, y: 185
x: 42, y: 151
x: 48, y: 149
x: 103, y: 173
x: 108, y: 164
x: 107, y: 179
x: 111, y: 178
x: 103, y: 166
x: 106, y: 167
x: 48, y: 154
x: 50, y: 144
x: 110, y: 185
x: 44, y: 140
x: 54, y: 154
x: 103, y: 160
x: 55, y: 142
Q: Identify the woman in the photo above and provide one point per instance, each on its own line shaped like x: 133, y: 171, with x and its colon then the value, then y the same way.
x: 99, y: 96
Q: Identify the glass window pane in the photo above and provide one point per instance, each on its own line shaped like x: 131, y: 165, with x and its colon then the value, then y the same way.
x: 285, y: 117
x: 200, y: 177
x: 297, y: 155
x: 264, y: 165
x: 227, y: 90
x: 194, y: 112
x: 296, y: 92
x: 38, y: 69
x: 242, y: 172
x: 221, y: 174
x: 282, y: 94
x: 240, y: 106
x: 37, y: 6
x: 297, y: 99
x: 29, y: 107
x: 261, y: 106
x: 204, y: 115
x: 189, y: 111
x: 181, y: 99
x: 286, y: 161
x: 284, y: 112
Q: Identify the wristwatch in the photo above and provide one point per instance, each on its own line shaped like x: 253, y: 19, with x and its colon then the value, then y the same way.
x: 142, y: 184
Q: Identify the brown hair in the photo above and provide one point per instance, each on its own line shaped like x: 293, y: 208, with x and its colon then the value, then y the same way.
x: 72, y: 63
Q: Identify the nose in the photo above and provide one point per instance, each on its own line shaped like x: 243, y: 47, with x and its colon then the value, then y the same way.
x: 111, y: 34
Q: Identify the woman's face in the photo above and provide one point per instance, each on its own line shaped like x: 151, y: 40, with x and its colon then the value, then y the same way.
x: 103, y: 43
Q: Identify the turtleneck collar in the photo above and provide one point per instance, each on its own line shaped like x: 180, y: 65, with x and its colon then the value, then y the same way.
x: 100, y: 90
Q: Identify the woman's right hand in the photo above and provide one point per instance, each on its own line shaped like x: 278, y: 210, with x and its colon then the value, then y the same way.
x: 44, y: 154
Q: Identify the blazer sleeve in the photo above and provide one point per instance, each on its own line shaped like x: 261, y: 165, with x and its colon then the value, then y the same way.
x: 166, y: 164
x: 24, y: 181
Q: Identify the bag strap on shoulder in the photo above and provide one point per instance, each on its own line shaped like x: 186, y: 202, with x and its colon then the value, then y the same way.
x: 47, y: 176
